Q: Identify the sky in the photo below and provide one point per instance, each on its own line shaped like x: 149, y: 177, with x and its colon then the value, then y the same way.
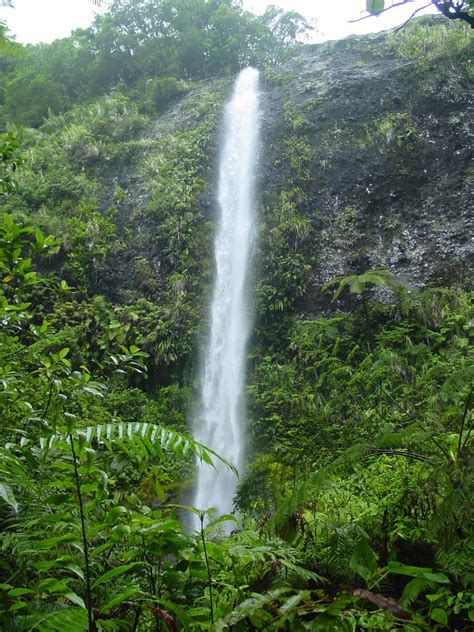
x: 34, y: 21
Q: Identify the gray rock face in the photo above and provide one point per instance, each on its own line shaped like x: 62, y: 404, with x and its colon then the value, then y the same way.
x: 387, y: 171
x: 390, y: 170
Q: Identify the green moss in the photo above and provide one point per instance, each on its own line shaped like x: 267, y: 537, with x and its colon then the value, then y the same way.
x: 347, y: 218
x: 275, y: 77
x: 391, y: 129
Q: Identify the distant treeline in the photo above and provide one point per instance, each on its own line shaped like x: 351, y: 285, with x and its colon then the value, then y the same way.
x: 152, y: 50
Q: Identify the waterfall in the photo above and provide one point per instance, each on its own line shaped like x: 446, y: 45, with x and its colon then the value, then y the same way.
x: 221, y: 423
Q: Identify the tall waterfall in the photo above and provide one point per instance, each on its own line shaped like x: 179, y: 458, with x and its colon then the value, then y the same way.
x: 221, y: 422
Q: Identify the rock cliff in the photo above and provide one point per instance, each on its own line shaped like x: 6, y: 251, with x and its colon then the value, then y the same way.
x: 390, y: 154
x: 366, y: 139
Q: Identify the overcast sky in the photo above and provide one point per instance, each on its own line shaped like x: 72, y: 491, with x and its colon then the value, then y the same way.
x: 45, y: 20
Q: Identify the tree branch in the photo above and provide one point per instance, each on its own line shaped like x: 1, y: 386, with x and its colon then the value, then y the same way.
x: 209, y: 578
x: 399, y: 28
x: 408, y: 455
x: 85, y: 543
x: 371, y: 15
x: 461, y: 445
x: 456, y: 14
x: 451, y: 10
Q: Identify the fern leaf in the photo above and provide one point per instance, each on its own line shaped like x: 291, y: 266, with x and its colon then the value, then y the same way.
x: 302, y: 573
x: 414, y: 589
x: 141, y: 438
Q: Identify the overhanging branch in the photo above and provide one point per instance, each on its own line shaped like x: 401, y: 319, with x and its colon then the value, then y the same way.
x: 454, y: 11
x: 399, y: 28
x: 450, y: 9
x: 372, y: 15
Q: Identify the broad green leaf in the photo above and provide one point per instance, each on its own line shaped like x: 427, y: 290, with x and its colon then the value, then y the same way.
x: 50, y: 543
x: 39, y: 238
x: 375, y: 6
x: 194, y: 510
x: 417, y: 571
x: 114, y: 514
x: 74, y: 598
x: 92, y: 390
x: 61, y: 621
x: 293, y: 601
x: 8, y: 496
x: 224, y: 518
x: 89, y: 487
x: 52, y: 585
x: 214, y: 551
x: 440, y: 578
x: 115, y: 572
x: 74, y: 568
x: 18, y: 592
x: 363, y: 560
x: 403, y: 569
x: 439, y: 616
x: 131, y: 590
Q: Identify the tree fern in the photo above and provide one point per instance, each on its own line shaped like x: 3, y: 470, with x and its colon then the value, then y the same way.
x: 356, y: 283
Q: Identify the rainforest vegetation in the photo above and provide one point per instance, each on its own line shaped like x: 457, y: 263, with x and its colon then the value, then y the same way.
x: 355, y: 511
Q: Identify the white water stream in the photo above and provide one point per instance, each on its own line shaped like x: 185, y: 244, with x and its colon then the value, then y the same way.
x: 221, y: 423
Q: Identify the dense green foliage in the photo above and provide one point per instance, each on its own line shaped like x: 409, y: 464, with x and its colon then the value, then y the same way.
x: 368, y: 475
x: 355, y: 511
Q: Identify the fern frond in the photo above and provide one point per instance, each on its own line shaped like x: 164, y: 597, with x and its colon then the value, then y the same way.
x: 341, y: 544
x: 142, y: 438
x: 408, y: 299
x: 457, y: 380
x: 301, y: 572
x: 414, y: 589
x: 455, y: 561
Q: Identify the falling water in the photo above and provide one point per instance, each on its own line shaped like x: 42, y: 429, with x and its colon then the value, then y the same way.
x: 222, y: 420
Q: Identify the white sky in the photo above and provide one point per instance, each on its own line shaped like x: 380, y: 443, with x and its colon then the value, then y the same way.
x: 44, y: 20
